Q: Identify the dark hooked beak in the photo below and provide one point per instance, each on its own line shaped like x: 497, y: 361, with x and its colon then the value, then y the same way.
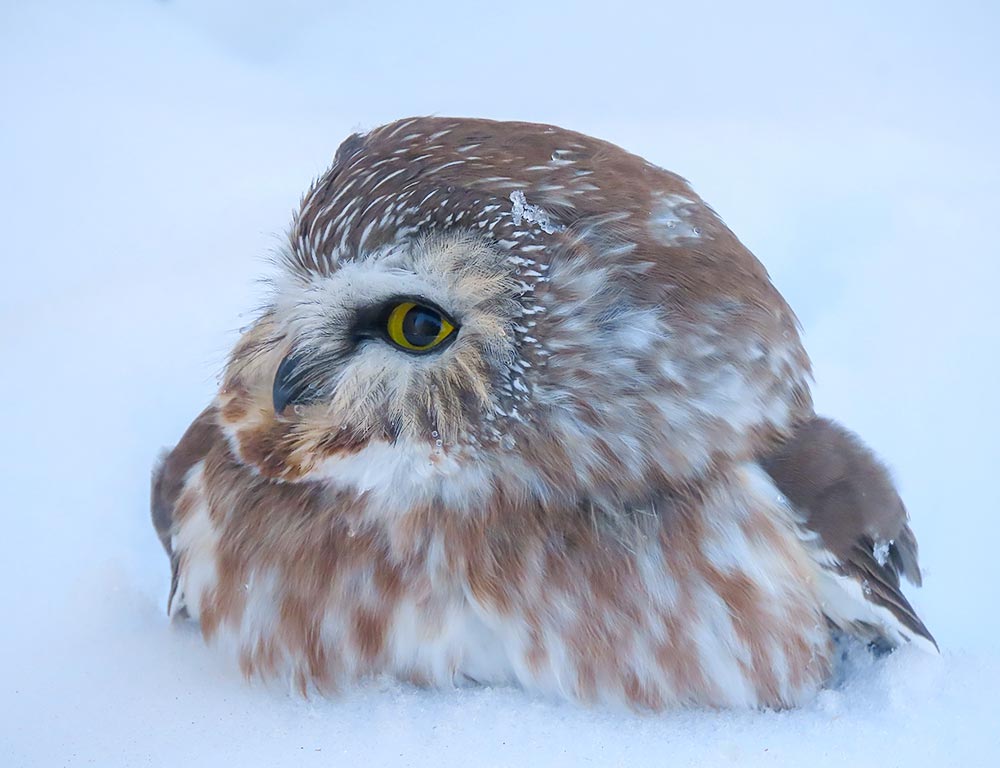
x: 291, y: 383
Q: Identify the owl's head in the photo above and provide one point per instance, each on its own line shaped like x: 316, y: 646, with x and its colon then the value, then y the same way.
x: 468, y: 308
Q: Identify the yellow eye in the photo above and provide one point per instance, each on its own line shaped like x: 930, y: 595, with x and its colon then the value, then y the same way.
x: 416, y: 327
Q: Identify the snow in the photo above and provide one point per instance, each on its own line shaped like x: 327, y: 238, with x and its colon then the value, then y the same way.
x: 881, y: 551
x: 533, y: 214
x: 150, y: 155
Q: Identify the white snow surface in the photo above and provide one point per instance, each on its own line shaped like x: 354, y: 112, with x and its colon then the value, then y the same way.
x: 150, y: 155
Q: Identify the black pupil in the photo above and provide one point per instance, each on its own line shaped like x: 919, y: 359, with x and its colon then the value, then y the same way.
x: 421, y: 326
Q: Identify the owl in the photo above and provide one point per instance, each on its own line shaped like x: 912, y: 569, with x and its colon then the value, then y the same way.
x: 520, y: 409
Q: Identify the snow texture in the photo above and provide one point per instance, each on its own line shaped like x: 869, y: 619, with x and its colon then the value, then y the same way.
x: 150, y: 153
x: 532, y: 214
x: 880, y: 551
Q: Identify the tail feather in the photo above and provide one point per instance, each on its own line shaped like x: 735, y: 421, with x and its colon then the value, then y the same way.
x: 848, y: 499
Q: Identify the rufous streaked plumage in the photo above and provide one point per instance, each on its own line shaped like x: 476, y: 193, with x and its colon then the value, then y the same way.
x: 522, y: 409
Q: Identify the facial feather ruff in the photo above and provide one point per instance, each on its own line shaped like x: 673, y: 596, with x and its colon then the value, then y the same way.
x: 522, y: 409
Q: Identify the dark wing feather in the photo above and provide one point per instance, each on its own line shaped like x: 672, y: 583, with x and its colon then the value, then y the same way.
x: 881, y: 585
x: 848, y: 498
x: 168, y: 481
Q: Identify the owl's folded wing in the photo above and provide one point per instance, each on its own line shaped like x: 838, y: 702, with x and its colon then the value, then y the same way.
x: 849, y: 501
x: 168, y: 482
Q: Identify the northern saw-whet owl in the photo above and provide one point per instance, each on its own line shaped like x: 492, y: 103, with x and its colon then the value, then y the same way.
x: 522, y: 410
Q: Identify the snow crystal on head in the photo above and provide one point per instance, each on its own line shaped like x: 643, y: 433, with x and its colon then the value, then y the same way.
x: 533, y: 214
x: 672, y: 222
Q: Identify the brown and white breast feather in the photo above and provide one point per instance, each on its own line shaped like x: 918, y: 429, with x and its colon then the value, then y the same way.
x: 696, y: 605
x: 609, y: 487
